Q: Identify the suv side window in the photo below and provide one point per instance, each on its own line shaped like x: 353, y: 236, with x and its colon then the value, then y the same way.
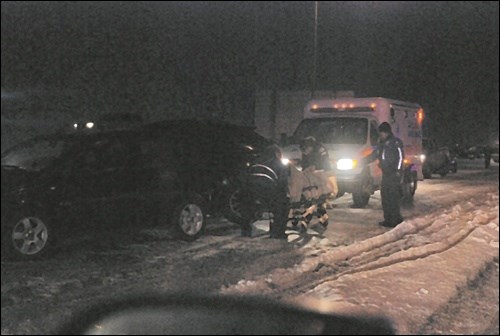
x: 115, y: 154
x: 373, y: 134
x: 106, y: 153
x: 163, y: 152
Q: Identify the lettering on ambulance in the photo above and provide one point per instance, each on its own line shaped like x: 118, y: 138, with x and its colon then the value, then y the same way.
x: 413, y: 128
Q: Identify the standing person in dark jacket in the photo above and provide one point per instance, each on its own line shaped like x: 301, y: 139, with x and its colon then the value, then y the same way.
x: 390, y: 155
x: 487, y: 157
x: 274, y: 196
x: 279, y: 199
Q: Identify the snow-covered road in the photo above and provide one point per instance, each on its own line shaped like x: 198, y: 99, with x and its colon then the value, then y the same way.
x: 450, y: 234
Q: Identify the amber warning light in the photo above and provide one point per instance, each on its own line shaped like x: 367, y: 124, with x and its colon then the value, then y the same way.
x: 420, y: 116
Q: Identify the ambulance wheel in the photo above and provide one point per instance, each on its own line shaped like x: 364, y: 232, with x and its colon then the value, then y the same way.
x: 360, y: 199
x: 362, y: 192
x: 408, y: 187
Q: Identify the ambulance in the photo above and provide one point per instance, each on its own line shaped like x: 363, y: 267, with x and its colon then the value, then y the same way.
x: 348, y: 129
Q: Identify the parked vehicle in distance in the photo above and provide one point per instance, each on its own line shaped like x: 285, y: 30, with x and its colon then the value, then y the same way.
x: 437, y: 159
x: 475, y: 152
x: 160, y: 174
x: 106, y: 122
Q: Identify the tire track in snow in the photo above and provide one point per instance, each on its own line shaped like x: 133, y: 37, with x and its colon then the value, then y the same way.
x: 411, y: 240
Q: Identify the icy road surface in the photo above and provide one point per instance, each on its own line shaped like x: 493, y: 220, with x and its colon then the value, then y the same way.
x: 450, y: 234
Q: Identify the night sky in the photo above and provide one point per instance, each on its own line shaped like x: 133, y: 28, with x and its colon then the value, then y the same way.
x: 208, y: 58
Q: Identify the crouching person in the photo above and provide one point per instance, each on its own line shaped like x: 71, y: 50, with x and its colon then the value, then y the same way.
x: 311, y: 186
x: 316, y: 165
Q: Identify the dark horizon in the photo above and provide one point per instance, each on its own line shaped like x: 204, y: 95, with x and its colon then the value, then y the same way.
x: 210, y: 57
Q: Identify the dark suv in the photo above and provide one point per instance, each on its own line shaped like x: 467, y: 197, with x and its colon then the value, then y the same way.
x: 167, y: 173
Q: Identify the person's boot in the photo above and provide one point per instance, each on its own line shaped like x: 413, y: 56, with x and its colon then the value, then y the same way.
x: 246, y: 231
x: 322, y: 216
x: 281, y: 235
x: 302, y: 227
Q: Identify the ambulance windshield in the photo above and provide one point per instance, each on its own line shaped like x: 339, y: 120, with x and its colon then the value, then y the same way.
x: 334, y: 130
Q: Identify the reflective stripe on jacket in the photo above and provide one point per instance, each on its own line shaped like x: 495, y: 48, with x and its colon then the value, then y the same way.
x: 391, y: 155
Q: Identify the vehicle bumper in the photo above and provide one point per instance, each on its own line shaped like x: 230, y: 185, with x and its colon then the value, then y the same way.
x: 348, y: 181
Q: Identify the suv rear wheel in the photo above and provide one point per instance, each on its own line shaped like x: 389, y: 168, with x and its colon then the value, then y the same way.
x: 189, y: 220
x: 26, y: 235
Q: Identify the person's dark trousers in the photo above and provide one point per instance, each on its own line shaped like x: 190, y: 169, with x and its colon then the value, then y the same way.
x: 390, y: 199
x: 248, y: 212
x: 487, y: 160
x: 279, y: 208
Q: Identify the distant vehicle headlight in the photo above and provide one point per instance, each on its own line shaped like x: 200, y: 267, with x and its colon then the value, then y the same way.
x: 346, y: 164
x: 422, y: 158
x: 285, y: 161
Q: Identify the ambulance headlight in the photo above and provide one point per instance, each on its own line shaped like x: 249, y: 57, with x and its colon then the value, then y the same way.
x: 346, y: 164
